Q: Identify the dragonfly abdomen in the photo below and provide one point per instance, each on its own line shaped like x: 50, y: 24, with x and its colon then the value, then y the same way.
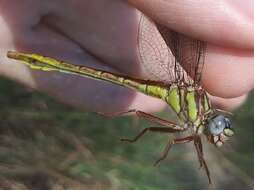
x: 38, y: 62
x: 186, y: 101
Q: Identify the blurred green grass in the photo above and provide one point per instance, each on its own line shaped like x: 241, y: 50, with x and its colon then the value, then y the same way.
x: 47, y: 145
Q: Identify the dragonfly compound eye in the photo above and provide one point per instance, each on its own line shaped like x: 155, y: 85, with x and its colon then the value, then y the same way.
x: 228, y: 131
x: 217, y: 125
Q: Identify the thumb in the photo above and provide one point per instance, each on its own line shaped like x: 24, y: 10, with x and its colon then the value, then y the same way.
x: 219, y: 22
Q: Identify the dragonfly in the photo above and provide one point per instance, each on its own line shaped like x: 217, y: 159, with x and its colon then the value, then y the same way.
x: 179, y: 87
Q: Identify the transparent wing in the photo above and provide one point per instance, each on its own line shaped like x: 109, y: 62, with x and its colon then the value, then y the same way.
x: 190, y: 53
x: 161, y: 50
x: 155, y: 56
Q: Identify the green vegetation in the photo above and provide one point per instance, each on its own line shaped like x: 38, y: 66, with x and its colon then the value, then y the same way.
x: 46, y: 145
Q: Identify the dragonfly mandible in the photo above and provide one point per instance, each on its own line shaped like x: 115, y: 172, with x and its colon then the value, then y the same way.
x: 180, y: 88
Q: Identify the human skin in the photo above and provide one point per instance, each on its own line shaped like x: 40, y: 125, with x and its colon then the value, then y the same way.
x: 103, y: 34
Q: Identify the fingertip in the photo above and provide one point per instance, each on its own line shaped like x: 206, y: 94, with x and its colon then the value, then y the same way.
x: 228, y: 103
x: 217, y: 22
x: 228, y: 73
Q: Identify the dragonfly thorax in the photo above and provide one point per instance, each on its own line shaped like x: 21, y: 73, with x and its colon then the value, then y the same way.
x: 193, y: 107
x: 219, y: 129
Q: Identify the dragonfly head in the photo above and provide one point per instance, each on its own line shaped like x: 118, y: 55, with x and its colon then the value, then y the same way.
x: 219, y: 129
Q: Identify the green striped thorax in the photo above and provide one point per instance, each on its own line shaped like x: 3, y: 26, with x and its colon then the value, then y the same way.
x: 193, y: 107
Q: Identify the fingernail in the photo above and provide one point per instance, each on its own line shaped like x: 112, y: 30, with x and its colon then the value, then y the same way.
x: 243, y: 6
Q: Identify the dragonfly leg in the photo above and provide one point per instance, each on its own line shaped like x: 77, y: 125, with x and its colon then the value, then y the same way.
x: 170, y: 144
x: 156, y: 120
x: 170, y: 127
x: 151, y: 118
x: 116, y: 113
x: 199, y: 149
x: 224, y: 112
x: 152, y: 129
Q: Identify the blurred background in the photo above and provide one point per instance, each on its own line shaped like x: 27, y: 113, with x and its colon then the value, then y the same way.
x: 49, y: 146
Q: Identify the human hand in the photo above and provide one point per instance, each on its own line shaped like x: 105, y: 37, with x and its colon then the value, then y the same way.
x: 226, y: 25
x: 103, y: 34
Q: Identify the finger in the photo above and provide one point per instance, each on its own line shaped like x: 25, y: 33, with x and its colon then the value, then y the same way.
x: 84, y: 93
x: 228, y: 73
x: 109, y: 32
x: 229, y: 103
x: 226, y: 23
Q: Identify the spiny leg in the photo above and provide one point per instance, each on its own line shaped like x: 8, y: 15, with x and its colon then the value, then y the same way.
x: 198, y: 146
x: 152, y: 129
x: 170, y: 127
x: 149, y: 117
x: 170, y: 144
x: 224, y: 112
